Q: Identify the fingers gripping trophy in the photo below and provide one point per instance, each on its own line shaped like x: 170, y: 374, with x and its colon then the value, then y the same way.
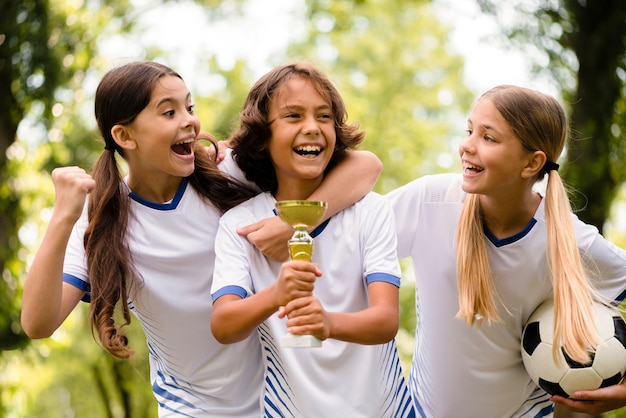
x: 301, y: 215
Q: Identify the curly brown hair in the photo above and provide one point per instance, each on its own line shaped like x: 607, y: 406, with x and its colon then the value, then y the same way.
x: 249, y: 142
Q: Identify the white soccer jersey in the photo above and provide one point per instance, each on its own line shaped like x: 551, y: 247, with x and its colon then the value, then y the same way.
x: 462, y: 371
x: 229, y: 166
x: 339, y: 379
x: 172, y: 248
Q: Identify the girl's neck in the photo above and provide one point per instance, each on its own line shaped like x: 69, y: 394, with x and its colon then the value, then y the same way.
x: 296, y: 189
x: 507, y: 217
x: 154, y: 190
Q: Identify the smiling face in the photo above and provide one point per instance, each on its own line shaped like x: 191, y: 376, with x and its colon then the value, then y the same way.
x: 302, y: 138
x: 158, y: 144
x: 491, y: 154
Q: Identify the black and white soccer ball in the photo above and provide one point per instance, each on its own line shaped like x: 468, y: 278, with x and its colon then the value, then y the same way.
x: 608, y: 362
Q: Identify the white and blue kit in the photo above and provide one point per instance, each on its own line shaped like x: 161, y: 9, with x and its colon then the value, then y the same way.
x: 463, y: 371
x: 340, y: 379
x: 172, y: 249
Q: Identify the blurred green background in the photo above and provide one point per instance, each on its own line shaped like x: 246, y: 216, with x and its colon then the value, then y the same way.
x: 402, y: 67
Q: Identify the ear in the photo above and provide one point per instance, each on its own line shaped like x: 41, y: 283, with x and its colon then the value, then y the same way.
x: 122, y: 137
x: 536, y: 161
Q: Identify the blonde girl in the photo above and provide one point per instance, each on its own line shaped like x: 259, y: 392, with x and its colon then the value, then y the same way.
x: 488, y: 248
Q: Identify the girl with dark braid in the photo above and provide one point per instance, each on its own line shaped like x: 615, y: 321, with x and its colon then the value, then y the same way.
x: 145, y: 244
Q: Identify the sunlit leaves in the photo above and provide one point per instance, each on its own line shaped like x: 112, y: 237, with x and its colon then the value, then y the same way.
x: 389, y: 61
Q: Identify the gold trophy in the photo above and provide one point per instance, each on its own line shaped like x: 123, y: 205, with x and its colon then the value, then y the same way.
x: 301, y: 215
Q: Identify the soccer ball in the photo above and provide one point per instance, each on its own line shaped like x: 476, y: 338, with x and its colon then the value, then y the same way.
x: 608, y: 362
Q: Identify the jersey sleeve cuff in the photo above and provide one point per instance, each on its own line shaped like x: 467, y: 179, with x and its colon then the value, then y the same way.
x: 229, y: 290
x: 79, y: 283
x: 383, y: 277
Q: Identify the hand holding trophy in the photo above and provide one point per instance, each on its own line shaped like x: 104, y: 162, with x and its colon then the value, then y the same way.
x: 301, y: 215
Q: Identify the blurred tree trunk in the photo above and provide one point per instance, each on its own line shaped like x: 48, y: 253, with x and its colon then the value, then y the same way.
x: 23, y: 53
x: 599, y: 44
x: 102, y: 390
x: 44, y: 48
x: 585, y: 42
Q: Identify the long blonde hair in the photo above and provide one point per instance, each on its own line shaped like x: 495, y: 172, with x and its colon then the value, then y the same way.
x: 540, y: 123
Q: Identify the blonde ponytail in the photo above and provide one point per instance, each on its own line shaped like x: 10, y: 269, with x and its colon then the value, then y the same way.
x: 573, y: 295
x: 476, y: 294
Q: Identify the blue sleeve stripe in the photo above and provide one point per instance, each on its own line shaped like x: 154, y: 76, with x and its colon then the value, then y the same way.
x: 230, y: 290
x: 79, y: 283
x: 383, y: 277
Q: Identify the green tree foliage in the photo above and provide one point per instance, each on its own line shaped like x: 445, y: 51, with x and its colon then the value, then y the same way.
x: 583, y: 44
x: 46, y: 50
x: 219, y: 112
x: 390, y: 62
x: 23, y: 60
x: 70, y: 375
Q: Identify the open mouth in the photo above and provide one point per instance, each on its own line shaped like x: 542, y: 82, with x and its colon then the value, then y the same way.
x: 308, y: 150
x: 473, y: 168
x: 183, y: 148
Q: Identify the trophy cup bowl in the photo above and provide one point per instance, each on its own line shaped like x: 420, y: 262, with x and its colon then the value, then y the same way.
x: 301, y: 215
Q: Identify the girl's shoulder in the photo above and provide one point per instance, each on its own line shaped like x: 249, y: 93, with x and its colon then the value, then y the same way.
x: 252, y: 210
x: 230, y: 167
x: 371, y: 202
x: 432, y: 188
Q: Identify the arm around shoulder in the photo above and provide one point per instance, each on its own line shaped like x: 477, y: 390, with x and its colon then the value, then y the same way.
x: 348, y: 182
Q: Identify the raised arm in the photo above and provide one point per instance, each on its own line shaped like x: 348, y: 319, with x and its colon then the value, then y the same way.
x: 47, y: 301
x: 344, y: 185
x: 349, y: 181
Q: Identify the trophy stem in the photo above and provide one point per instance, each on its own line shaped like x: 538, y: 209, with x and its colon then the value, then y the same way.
x: 301, y: 245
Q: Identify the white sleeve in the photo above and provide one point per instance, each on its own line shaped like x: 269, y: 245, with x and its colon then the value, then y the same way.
x: 232, y: 269
x: 604, y: 262
x: 74, y: 262
x: 405, y: 202
x: 379, y: 240
x: 230, y: 167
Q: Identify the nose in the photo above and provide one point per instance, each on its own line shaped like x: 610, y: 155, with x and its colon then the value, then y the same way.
x: 311, y: 127
x: 191, y: 121
x: 467, y: 145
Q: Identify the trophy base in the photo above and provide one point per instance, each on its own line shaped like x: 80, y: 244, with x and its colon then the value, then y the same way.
x: 298, y: 341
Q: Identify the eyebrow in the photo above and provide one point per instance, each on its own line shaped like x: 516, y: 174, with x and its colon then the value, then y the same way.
x: 485, y: 127
x: 301, y: 107
x: 171, y: 99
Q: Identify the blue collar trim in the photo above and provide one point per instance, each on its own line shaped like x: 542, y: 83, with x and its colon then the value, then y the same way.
x: 509, y: 240
x: 173, y: 204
